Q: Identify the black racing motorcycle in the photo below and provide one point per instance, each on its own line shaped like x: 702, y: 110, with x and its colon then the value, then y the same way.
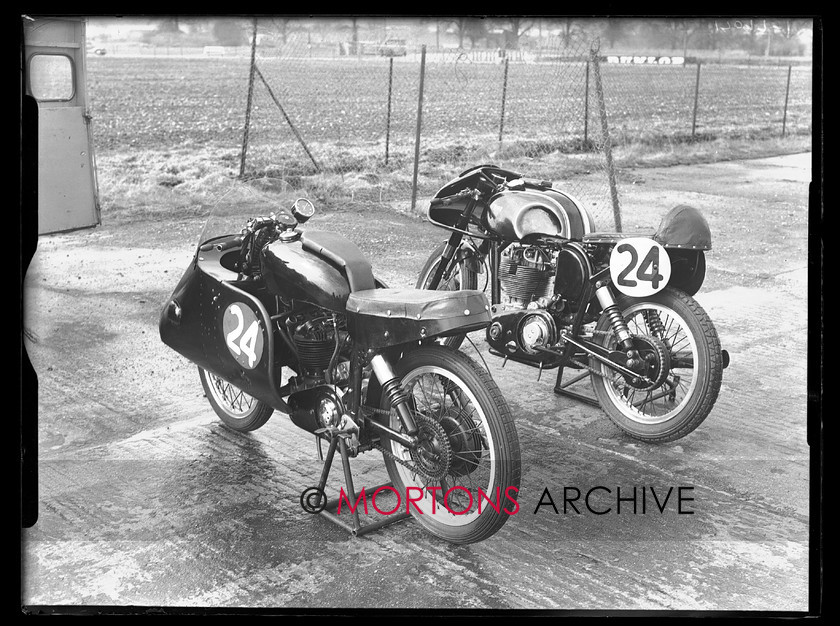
x: 281, y: 319
x: 616, y: 307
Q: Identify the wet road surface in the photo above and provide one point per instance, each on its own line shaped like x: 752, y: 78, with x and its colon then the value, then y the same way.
x: 145, y: 499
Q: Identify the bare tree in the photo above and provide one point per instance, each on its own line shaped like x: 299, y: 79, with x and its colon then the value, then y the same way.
x: 569, y: 29
x: 284, y: 27
x: 686, y: 29
x: 460, y: 24
x: 476, y: 30
x: 518, y: 26
x: 613, y: 31
x: 169, y: 25
x: 229, y: 32
x: 355, y: 31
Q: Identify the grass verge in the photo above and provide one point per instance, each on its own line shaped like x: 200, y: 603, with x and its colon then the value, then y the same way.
x: 181, y: 183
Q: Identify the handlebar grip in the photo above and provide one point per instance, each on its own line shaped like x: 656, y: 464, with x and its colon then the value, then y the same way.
x: 227, y: 245
x: 449, y: 199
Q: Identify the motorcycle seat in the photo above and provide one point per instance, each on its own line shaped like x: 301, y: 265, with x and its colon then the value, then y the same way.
x: 421, y: 304
x: 682, y: 227
x: 381, y: 317
x: 608, y: 237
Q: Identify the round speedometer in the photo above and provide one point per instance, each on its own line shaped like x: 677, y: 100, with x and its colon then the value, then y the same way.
x: 303, y: 209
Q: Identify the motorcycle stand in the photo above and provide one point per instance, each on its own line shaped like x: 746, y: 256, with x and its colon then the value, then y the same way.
x: 561, y: 388
x: 328, y: 508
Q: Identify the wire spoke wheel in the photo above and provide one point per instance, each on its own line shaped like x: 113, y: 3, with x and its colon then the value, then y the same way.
x: 460, y: 474
x: 654, y: 406
x: 235, y: 408
x: 684, y: 395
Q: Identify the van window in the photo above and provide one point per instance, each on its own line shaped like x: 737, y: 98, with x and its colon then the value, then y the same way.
x: 51, y: 77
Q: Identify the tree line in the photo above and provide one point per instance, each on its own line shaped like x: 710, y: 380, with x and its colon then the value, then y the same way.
x: 756, y: 35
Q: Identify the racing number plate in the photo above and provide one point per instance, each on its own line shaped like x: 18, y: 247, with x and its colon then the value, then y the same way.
x: 639, y: 266
x: 243, y: 334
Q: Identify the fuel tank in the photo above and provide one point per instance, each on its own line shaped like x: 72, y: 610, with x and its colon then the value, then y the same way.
x: 516, y: 213
x: 319, y: 267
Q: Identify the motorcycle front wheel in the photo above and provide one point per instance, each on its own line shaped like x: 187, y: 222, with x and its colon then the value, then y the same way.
x: 689, y: 389
x: 462, y: 479
x: 463, y: 277
x: 234, y: 407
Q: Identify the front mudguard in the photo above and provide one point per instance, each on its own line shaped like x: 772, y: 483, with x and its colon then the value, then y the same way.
x: 467, y: 252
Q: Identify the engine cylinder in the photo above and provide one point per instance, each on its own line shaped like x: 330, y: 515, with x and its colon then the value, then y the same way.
x: 314, y: 354
x: 315, y: 344
x: 525, y: 274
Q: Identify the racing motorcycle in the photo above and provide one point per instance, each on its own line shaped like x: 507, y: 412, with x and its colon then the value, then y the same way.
x: 617, y: 308
x: 278, y: 318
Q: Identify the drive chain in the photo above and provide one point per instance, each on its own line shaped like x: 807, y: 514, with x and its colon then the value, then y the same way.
x: 409, y: 466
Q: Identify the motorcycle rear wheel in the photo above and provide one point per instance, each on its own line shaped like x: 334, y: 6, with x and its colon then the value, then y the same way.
x: 684, y: 400
x: 234, y: 407
x: 466, y: 420
x: 463, y: 278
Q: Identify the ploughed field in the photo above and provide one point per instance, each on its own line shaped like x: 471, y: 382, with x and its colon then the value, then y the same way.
x: 160, y: 102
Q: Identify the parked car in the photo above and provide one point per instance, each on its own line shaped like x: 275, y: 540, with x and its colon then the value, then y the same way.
x: 392, y: 48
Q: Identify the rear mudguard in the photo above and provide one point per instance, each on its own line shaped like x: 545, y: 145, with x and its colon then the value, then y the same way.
x: 684, y: 228
x: 393, y: 322
x: 686, y: 235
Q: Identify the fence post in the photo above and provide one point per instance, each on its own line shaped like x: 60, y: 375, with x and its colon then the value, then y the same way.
x: 388, y: 121
x: 419, y: 126
x: 250, y: 97
x: 504, y: 99
x: 696, y: 94
x: 288, y: 120
x: 586, y: 109
x: 787, y: 93
x: 602, y: 109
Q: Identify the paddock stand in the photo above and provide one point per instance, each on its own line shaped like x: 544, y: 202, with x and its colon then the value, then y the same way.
x: 314, y: 499
x: 562, y: 388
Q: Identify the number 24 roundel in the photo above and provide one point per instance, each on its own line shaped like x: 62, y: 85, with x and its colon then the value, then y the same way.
x: 639, y: 266
x: 243, y: 334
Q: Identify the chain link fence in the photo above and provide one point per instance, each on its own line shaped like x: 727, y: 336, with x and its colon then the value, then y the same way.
x: 693, y: 101
x: 393, y: 129
x: 360, y: 123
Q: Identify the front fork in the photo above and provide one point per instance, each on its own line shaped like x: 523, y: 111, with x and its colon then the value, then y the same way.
x: 454, y: 242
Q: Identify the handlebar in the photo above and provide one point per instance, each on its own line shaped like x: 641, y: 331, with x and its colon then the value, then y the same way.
x: 488, y: 184
x: 475, y: 194
x: 236, y: 242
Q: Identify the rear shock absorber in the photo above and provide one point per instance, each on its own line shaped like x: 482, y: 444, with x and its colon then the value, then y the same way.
x: 616, y: 319
x: 654, y: 323
x: 393, y: 389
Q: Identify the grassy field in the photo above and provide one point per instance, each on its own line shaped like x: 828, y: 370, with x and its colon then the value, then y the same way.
x: 165, y: 127
x: 170, y: 100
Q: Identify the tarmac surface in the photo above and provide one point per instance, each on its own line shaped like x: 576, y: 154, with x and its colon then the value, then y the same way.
x: 146, y: 500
